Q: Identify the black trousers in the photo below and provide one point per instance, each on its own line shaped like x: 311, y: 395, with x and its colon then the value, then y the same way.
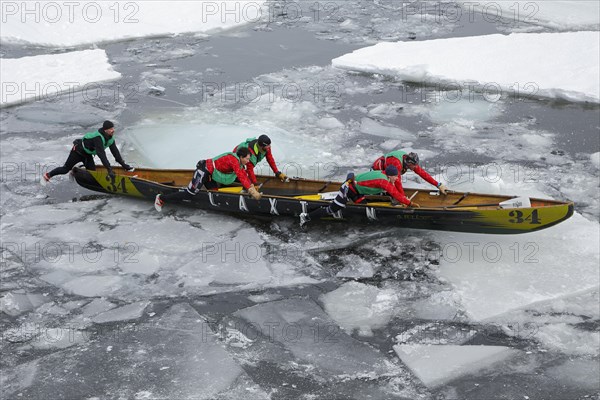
x: 76, y: 156
x: 201, y: 178
x: 346, y: 193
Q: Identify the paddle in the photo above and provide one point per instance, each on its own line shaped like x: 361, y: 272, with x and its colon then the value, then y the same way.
x: 239, y: 189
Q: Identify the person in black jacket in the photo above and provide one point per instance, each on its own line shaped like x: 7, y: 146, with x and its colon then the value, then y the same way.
x: 84, y: 150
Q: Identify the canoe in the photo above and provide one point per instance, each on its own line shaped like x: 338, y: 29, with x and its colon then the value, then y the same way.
x: 457, y: 211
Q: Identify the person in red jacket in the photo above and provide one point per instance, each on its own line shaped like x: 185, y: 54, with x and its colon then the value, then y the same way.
x: 356, y: 188
x: 259, y: 149
x: 403, y: 162
x: 223, y: 169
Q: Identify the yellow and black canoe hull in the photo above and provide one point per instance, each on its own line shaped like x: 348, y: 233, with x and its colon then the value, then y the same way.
x: 457, y: 211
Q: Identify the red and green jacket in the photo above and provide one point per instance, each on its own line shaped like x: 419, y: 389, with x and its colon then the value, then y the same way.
x: 225, y: 168
x: 256, y: 156
x: 395, y: 158
x: 376, y: 182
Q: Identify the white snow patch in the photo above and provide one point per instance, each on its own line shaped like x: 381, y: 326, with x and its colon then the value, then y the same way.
x: 569, y: 71
x: 46, y: 76
x: 557, y: 14
x: 87, y: 22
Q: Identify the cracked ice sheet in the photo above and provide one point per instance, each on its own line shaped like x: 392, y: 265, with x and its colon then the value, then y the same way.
x: 569, y: 71
x: 93, y: 250
x: 178, y: 354
x: 302, y: 327
x: 559, y: 324
x: 310, y: 118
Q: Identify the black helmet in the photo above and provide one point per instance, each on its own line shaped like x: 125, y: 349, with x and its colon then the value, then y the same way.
x: 264, y: 140
x: 411, y: 159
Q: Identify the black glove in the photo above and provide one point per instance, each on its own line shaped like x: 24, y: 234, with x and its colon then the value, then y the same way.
x: 111, y: 174
x: 127, y: 167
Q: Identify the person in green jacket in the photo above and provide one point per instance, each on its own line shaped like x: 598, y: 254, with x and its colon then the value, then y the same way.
x: 260, y: 149
x: 223, y: 169
x: 356, y: 188
x: 84, y: 150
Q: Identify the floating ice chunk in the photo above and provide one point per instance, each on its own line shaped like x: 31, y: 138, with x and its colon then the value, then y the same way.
x: 496, y: 274
x: 495, y: 62
x: 463, y: 111
x: 303, y: 328
x: 439, y: 306
x: 14, y: 303
x: 149, y: 143
x: 385, y: 110
x: 54, y: 114
x: 57, y: 278
x: 125, y: 313
x: 40, y: 215
x: 18, y: 378
x: 581, y: 373
x: 356, y: 267
x: 329, y: 123
x: 180, y: 355
x: 367, y: 125
x: 595, y: 158
x: 97, y: 306
x: 140, y: 261
x: 570, y: 340
x: 358, y: 306
x: 37, y: 78
x: 93, y: 285
x: 390, y: 145
x: 438, y: 364
x: 263, y: 298
x: 57, y: 338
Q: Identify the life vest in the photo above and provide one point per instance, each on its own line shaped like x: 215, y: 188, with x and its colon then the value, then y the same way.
x: 399, y: 154
x: 369, y: 176
x: 92, y: 135
x: 255, y: 154
x: 225, y: 178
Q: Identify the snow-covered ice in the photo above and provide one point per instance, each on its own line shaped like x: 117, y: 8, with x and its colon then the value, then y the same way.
x: 558, y: 14
x: 74, y: 24
x: 516, y: 64
x: 45, y: 77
